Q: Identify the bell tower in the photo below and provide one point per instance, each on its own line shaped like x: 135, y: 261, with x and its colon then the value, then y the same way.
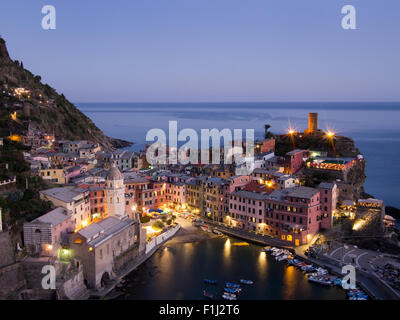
x: 115, y: 192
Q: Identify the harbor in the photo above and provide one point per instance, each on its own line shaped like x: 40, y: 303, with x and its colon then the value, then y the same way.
x: 213, y: 269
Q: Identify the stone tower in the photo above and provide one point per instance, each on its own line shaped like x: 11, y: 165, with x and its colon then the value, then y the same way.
x: 312, y: 123
x: 115, y: 192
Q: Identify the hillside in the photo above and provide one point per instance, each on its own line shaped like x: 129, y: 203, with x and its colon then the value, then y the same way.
x: 26, y: 102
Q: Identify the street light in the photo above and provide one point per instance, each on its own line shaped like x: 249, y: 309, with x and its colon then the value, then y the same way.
x: 330, y: 134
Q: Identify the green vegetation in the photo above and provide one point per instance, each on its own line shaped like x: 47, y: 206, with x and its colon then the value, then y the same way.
x: 284, y: 144
x: 12, y: 160
x: 21, y: 201
x: 144, y: 219
x: 158, y: 225
x: 267, y: 133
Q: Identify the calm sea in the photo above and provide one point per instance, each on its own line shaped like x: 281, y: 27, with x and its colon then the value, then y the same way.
x: 177, y: 272
x: 375, y: 127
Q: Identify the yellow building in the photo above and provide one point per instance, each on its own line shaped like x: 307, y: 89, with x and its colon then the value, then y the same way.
x: 53, y: 175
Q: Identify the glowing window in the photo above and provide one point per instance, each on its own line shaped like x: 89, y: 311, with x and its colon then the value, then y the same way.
x: 289, y: 237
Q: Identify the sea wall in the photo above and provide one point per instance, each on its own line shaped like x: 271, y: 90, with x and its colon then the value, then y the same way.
x: 161, y: 238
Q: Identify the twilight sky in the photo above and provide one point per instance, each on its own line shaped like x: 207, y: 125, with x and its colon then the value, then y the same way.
x: 209, y: 50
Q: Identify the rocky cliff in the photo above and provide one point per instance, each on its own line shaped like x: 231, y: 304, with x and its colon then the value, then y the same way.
x: 40, y: 107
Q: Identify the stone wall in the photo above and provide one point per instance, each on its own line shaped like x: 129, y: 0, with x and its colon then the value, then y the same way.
x: 11, y: 281
x: 6, y: 250
x: 124, y: 259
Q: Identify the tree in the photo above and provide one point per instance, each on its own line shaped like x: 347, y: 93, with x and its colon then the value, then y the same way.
x: 158, y: 225
x: 267, y: 133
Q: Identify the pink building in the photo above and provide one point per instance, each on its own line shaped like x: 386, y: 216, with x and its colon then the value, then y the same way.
x: 294, y: 160
x: 329, y: 194
x: 73, y: 172
x: 247, y: 210
x: 294, y: 214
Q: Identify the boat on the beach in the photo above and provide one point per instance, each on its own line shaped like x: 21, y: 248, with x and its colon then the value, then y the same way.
x: 210, y: 281
x: 208, y: 295
x: 244, y: 281
x: 205, y: 228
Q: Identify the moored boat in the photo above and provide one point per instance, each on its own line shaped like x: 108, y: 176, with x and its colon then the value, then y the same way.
x: 320, y: 280
x: 209, y: 281
x: 232, y: 290
x: 244, y: 281
x: 232, y: 285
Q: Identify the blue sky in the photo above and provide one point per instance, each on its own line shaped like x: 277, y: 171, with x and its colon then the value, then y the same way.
x: 209, y: 50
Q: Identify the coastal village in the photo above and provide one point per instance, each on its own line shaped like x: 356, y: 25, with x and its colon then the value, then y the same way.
x: 110, y: 210
x: 95, y: 210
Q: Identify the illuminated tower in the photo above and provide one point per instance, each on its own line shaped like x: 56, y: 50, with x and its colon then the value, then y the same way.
x: 115, y: 192
x: 312, y: 123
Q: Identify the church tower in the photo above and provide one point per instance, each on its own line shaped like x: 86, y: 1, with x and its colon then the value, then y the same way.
x: 115, y: 192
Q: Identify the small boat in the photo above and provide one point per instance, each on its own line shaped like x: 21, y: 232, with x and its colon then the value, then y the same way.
x: 229, y: 296
x: 208, y: 295
x: 217, y: 232
x: 282, y: 257
x: 233, y: 290
x: 320, y: 280
x: 276, y: 253
x: 232, y: 285
x: 321, y: 271
x: 205, y: 228
x: 244, y: 281
x: 266, y: 249
x: 338, y: 282
x: 209, y: 281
